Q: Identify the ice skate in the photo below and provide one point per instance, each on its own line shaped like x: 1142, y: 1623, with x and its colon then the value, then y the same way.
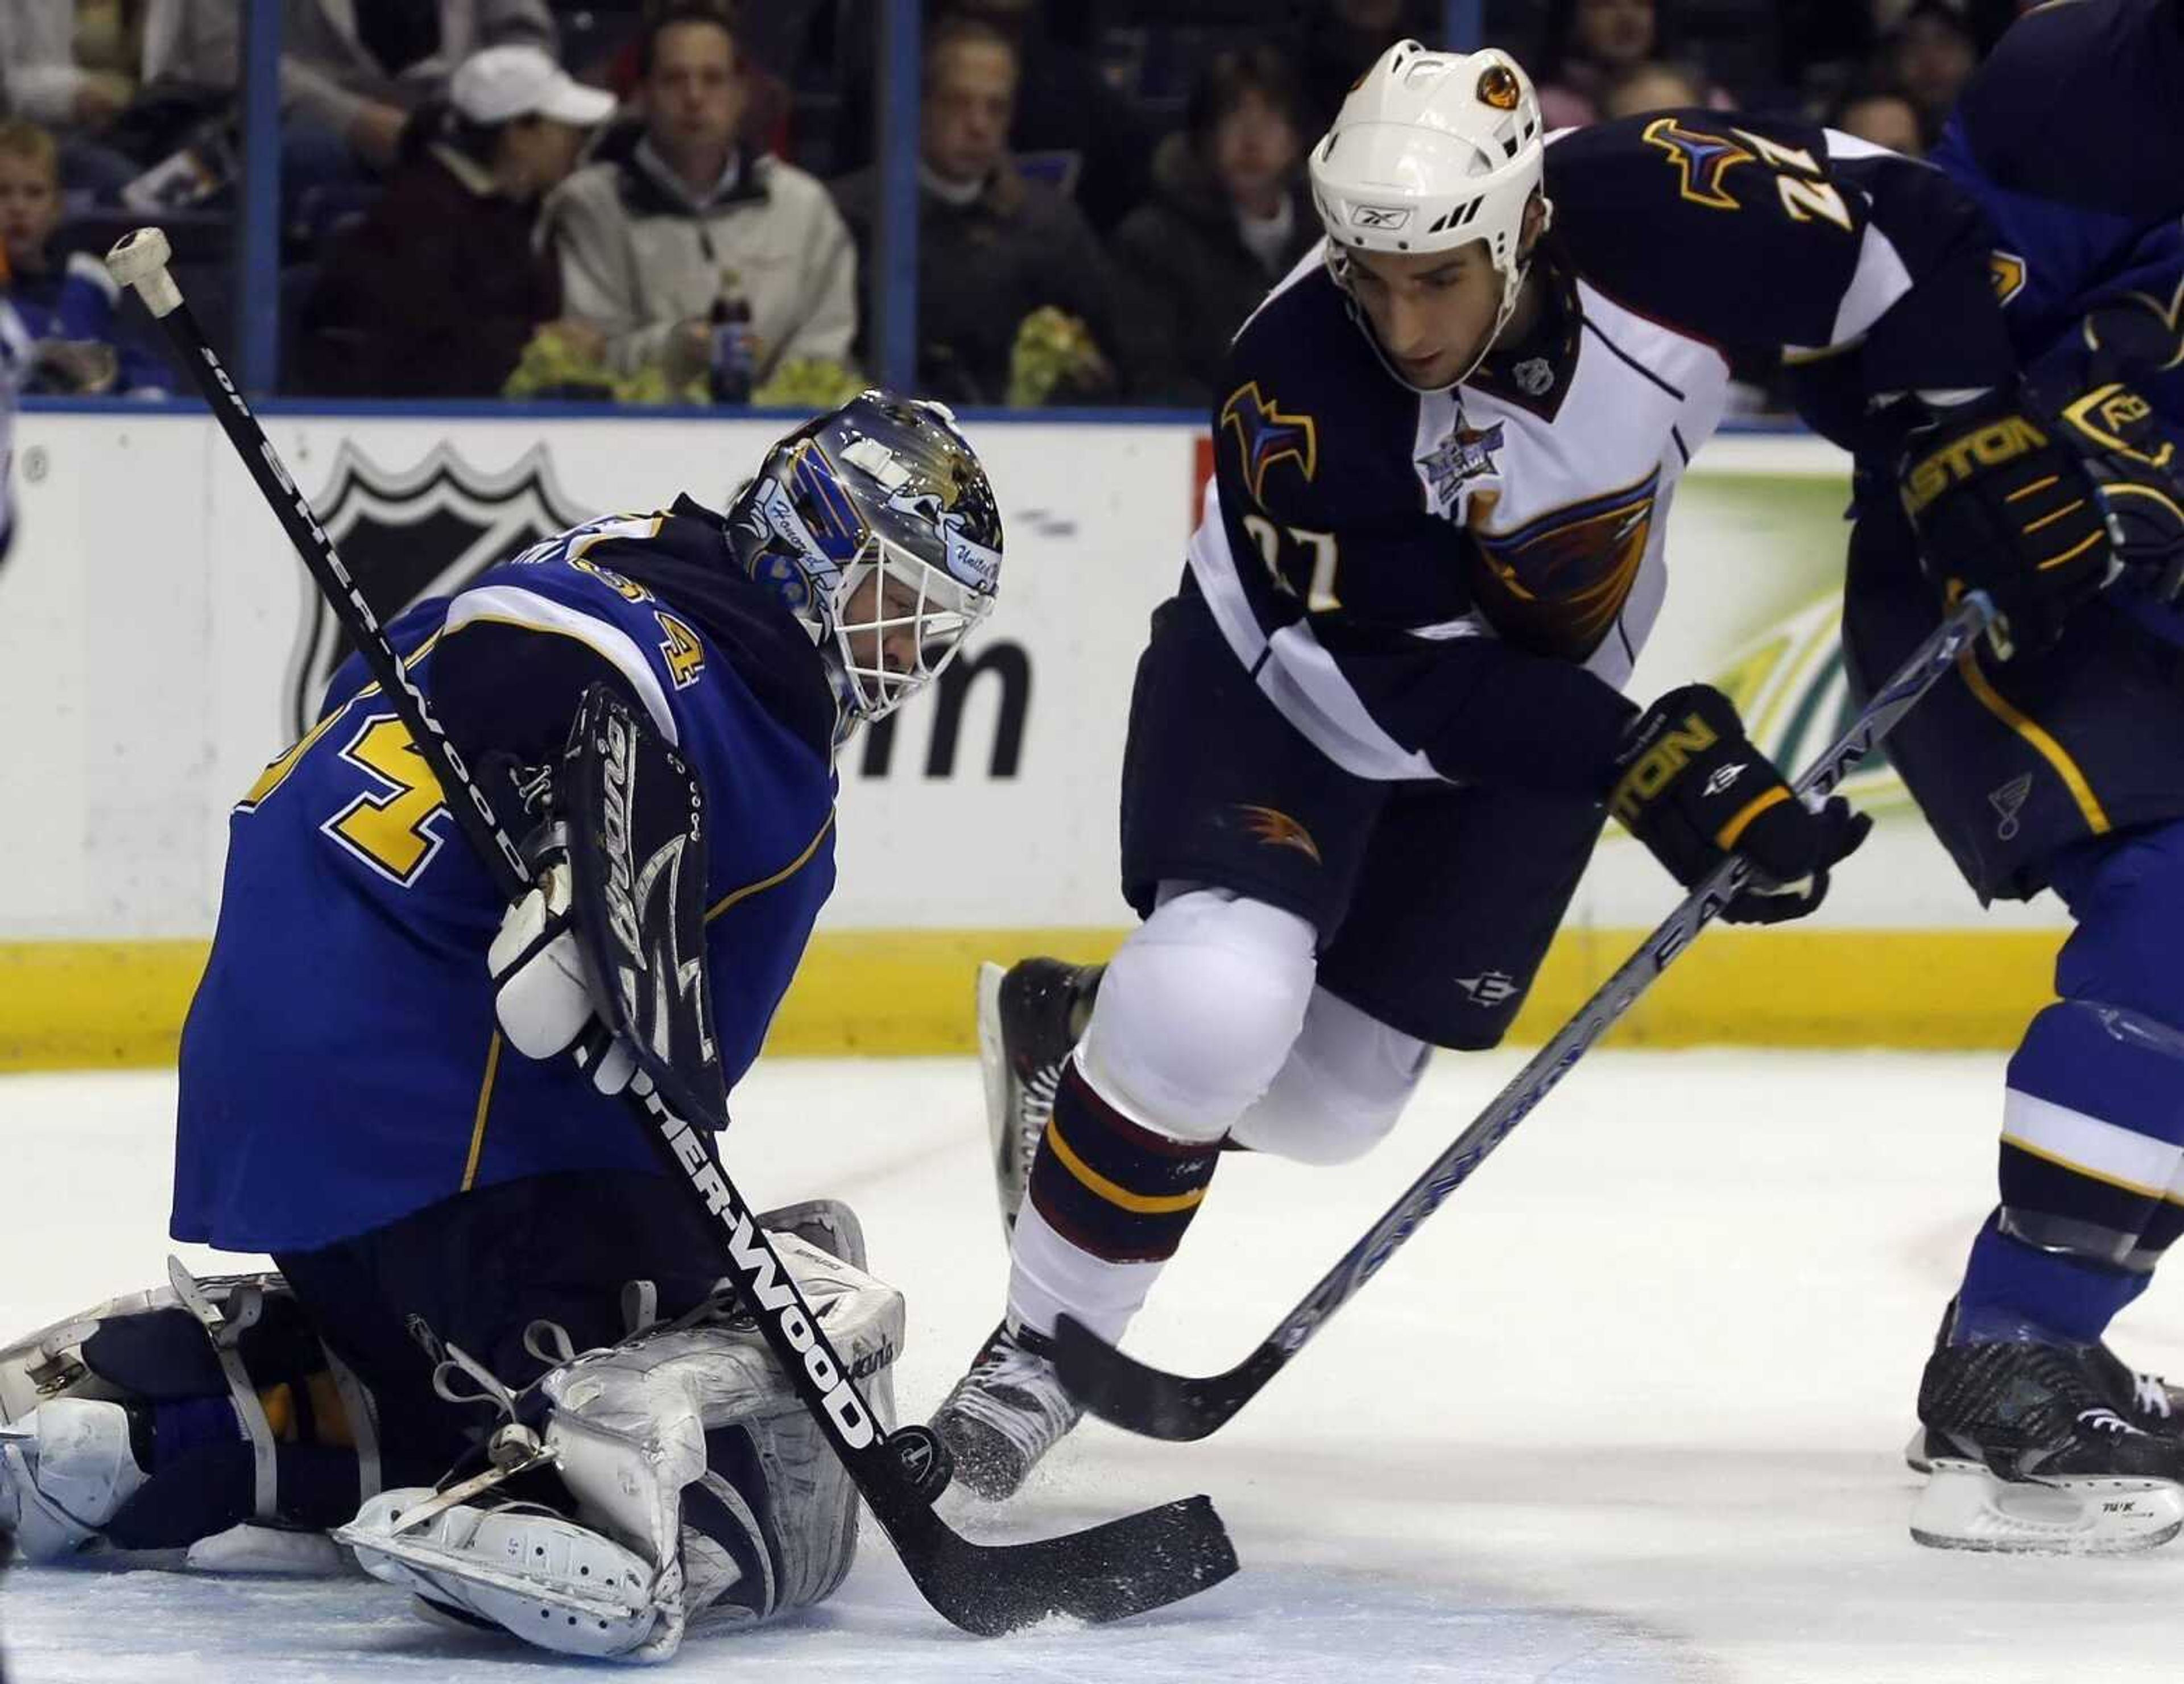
x: 1030, y: 1015
x: 2146, y: 1400
x: 2029, y: 1453
x: 1004, y: 1414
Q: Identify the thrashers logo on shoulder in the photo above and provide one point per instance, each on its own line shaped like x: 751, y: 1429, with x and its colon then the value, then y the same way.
x: 410, y: 533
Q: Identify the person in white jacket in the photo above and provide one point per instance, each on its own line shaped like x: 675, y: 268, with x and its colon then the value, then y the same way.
x: 677, y: 229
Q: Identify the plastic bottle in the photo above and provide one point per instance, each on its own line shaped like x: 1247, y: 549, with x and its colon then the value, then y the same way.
x: 735, y: 352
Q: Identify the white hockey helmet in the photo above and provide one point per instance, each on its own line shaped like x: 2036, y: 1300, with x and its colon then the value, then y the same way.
x: 1431, y: 151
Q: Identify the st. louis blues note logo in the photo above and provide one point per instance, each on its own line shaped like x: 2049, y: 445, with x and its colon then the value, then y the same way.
x: 1266, y: 433
x: 1465, y: 456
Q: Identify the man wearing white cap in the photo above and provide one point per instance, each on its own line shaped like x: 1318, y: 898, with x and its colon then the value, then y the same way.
x: 439, y: 289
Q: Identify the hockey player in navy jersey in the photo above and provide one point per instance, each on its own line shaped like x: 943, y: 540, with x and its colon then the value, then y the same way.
x: 1377, y: 730
x: 2062, y: 768
x: 373, y: 1089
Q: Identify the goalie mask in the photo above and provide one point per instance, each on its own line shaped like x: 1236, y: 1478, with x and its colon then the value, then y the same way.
x: 876, y: 525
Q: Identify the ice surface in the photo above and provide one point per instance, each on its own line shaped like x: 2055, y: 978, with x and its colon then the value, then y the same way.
x: 1629, y: 1407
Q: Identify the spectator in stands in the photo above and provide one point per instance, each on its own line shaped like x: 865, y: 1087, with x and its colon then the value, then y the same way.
x: 1340, y: 39
x: 71, y: 67
x: 1652, y: 85
x: 1589, y: 42
x: 694, y: 254
x: 351, y: 71
x: 439, y: 289
x: 1014, y: 298
x: 1071, y: 126
x: 1930, y: 56
x: 66, y: 308
x: 1881, y: 115
x: 1229, y: 217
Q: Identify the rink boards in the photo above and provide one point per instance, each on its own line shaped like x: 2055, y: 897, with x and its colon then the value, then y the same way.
x: 161, y: 644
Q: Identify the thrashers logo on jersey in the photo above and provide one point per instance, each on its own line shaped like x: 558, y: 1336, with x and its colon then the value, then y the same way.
x: 1555, y: 585
x: 1277, y: 829
x: 411, y: 533
x: 1266, y: 433
x: 1701, y: 158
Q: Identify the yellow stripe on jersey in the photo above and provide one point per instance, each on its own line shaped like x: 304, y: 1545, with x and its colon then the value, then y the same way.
x: 2074, y: 780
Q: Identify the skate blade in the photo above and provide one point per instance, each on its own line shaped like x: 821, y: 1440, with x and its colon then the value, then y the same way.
x: 1914, y: 1452
x: 994, y: 1068
x: 1964, y: 1506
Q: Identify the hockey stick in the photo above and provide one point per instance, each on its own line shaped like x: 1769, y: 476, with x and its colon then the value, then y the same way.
x: 1127, y: 1566
x: 1152, y: 1401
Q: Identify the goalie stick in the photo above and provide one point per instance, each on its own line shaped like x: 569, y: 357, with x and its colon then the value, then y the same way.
x: 1119, y: 1388
x: 1127, y: 1566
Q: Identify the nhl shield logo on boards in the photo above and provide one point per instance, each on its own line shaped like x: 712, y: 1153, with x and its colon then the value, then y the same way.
x: 406, y: 534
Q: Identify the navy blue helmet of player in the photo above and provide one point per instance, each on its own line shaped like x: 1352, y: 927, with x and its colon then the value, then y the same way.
x: 1430, y: 151
x: 878, y: 527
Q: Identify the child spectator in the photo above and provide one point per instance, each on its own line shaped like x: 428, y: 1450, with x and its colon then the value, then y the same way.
x: 66, y: 308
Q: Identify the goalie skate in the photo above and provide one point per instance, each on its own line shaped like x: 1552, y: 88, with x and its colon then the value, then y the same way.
x: 2028, y: 1455
x: 1030, y: 1015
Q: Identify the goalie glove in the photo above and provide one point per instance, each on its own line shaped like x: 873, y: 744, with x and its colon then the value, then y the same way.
x: 2001, y: 505
x: 1693, y: 788
x: 613, y: 930
x: 544, y: 991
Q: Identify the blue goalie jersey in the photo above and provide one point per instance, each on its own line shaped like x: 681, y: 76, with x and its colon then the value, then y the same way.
x: 341, y: 1066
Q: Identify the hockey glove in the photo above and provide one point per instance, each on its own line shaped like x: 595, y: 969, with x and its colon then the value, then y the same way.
x: 2003, y: 506
x: 2134, y: 465
x: 544, y: 992
x: 1692, y: 787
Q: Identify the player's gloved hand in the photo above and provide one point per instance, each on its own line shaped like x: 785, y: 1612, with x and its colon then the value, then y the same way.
x: 545, y: 993
x: 1692, y: 787
x: 2002, y: 505
x: 2133, y: 462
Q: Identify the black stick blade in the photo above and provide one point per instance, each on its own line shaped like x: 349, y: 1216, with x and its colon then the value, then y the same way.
x: 1119, y: 1388
x: 1133, y: 1566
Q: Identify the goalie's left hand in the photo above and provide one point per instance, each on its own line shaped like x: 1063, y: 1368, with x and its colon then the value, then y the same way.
x: 543, y: 990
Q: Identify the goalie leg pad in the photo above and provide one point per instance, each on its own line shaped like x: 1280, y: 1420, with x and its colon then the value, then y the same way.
x: 683, y: 1450
x: 163, y: 1424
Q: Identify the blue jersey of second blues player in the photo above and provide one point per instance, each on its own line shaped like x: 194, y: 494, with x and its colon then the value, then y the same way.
x: 341, y: 1066
x: 2071, y: 138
